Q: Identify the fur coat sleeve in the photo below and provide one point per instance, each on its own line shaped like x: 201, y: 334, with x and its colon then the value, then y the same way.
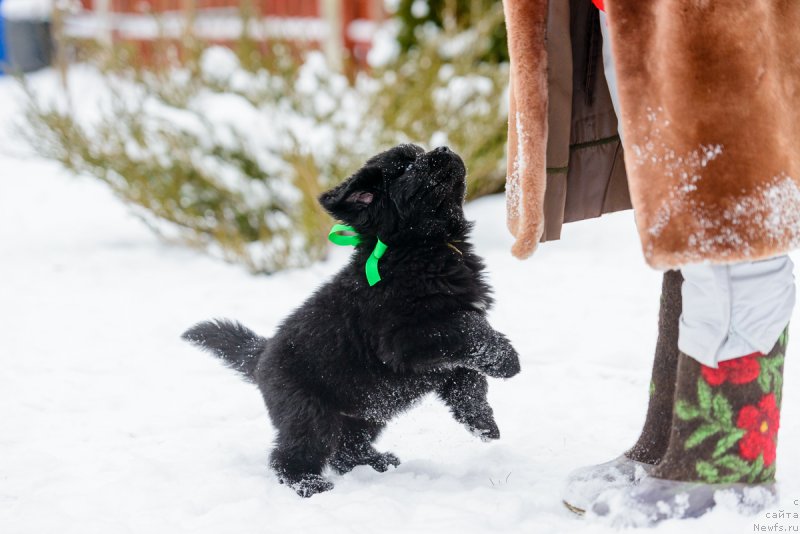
x: 709, y: 95
x: 526, y: 22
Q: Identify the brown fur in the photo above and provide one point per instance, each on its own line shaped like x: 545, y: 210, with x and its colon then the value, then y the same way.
x: 709, y: 95
x: 527, y: 124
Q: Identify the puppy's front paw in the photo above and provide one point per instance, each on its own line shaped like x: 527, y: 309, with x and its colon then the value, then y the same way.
x: 381, y: 462
x: 484, y: 428
x: 495, y: 357
x: 308, y: 485
x: 505, y: 365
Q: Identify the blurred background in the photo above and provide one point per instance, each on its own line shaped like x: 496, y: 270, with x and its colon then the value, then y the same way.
x: 219, y: 122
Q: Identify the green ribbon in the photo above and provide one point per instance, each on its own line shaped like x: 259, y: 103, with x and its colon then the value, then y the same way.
x: 337, y: 236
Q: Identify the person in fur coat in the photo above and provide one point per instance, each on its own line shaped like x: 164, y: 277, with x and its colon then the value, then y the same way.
x: 702, y: 98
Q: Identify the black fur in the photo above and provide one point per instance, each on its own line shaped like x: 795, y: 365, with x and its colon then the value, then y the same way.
x: 354, y: 356
x: 238, y: 346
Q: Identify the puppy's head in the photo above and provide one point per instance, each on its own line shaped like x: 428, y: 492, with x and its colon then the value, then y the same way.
x: 403, y: 192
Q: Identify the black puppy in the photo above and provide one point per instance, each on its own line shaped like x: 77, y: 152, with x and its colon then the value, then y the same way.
x: 354, y: 355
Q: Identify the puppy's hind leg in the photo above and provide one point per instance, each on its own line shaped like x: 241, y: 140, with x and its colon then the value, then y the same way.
x: 303, y: 446
x: 355, y: 447
x: 464, y: 392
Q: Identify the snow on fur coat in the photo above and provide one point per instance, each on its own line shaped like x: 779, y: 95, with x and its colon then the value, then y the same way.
x: 710, y: 105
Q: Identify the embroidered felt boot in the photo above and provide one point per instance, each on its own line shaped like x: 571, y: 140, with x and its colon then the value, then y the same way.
x: 586, y: 484
x: 722, y: 444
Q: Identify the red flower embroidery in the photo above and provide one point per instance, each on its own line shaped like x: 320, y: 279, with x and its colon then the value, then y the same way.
x: 738, y: 371
x: 761, y: 425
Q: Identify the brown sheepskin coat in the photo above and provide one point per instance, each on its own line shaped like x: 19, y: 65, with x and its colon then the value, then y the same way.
x: 710, y: 104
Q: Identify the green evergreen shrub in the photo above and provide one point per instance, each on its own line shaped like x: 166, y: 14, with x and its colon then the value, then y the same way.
x: 453, y: 15
x: 229, y: 149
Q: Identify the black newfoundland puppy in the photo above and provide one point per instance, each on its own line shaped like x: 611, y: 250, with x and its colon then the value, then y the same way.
x: 354, y: 355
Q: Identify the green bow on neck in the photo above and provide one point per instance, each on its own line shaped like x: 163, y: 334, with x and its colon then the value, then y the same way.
x: 337, y: 237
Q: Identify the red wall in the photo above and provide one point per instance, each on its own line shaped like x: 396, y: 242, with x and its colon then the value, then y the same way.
x: 351, y: 10
x: 286, y: 8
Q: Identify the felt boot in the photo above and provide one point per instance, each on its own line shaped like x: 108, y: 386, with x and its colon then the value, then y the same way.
x: 584, y: 485
x: 722, y: 444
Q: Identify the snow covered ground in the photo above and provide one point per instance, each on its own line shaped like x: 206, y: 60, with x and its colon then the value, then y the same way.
x: 109, y: 423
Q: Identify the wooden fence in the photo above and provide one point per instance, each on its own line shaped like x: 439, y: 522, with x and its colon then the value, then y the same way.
x: 343, y: 28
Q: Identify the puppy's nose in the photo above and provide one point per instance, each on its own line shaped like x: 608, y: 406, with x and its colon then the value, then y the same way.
x: 441, y: 149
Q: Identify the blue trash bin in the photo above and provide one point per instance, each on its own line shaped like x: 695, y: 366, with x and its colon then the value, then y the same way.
x: 2, y: 43
x: 28, y: 41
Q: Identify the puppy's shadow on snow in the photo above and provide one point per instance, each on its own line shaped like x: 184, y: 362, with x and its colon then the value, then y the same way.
x: 423, y: 475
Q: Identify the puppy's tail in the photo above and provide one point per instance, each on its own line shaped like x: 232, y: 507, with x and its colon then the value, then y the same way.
x: 238, y: 346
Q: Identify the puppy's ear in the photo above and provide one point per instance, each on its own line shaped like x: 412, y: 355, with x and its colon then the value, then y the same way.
x: 349, y: 199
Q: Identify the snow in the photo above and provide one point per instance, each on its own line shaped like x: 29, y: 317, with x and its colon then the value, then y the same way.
x: 464, y: 92
x: 219, y: 63
x: 514, y: 182
x: 385, y: 47
x: 772, y: 206
x: 26, y: 9
x: 420, y: 9
x: 362, y: 30
x: 112, y: 424
x: 36, y: 9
